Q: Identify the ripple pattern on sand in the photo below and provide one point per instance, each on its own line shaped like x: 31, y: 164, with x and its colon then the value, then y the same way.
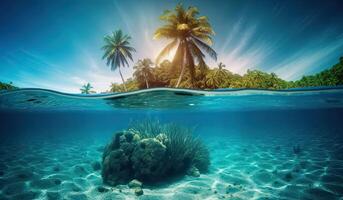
x: 254, y: 168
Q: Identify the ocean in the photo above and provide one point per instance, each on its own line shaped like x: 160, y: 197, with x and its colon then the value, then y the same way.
x: 262, y: 144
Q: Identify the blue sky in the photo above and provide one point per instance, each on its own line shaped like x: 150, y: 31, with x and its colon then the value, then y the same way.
x: 57, y: 44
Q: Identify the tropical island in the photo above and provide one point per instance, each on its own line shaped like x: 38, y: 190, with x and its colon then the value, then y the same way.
x: 191, y: 37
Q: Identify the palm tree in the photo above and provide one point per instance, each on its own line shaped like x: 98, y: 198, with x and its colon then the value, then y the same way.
x: 217, y: 76
x: 117, y: 50
x: 212, y: 80
x: 86, y: 89
x: 143, y: 70
x: 190, y: 36
x: 221, y: 72
x: 221, y: 66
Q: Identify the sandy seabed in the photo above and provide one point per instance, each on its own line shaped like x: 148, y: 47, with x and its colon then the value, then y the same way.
x: 261, y: 168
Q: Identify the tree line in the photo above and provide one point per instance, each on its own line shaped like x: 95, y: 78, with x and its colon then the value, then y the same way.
x: 166, y: 75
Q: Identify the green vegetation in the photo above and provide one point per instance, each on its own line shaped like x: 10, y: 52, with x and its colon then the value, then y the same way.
x: 143, y: 71
x: 329, y: 77
x: 164, y: 75
x: 152, y: 152
x: 190, y: 35
x: 7, y: 86
x: 183, y: 149
x: 117, y: 50
x: 86, y: 89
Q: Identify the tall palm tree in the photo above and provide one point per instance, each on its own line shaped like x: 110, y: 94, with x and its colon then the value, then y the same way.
x: 117, y: 49
x: 190, y: 34
x: 86, y: 89
x: 143, y: 70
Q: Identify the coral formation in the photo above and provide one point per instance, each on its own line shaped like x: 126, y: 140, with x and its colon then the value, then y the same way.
x: 150, y: 152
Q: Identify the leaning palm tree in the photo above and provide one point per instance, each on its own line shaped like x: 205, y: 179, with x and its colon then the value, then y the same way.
x: 86, y: 89
x: 117, y: 50
x: 190, y: 34
x: 143, y: 70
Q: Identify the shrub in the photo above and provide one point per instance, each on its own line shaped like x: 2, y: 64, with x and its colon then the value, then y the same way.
x: 150, y: 151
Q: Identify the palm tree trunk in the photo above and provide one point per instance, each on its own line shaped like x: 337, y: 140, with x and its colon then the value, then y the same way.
x: 182, y: 72
x: 121, y: 75
x: 146, y: 81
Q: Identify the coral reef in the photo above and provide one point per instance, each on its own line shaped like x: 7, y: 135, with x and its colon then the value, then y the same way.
x: 151, y: 152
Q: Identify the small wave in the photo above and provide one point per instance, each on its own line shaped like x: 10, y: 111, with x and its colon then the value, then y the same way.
x: 172, y: 98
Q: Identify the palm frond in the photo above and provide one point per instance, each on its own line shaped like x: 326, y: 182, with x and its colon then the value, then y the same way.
x: 117, y: 49
x: 166, y: 50
x: 197, y: 54
x: 205, y: 47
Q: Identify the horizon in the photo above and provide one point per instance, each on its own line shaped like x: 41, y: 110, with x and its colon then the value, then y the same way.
x: 57, y: 45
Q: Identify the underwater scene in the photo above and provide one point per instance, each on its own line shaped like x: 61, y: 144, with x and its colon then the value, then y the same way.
x: 172, y: 144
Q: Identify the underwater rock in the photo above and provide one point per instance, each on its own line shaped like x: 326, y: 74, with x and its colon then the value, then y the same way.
x: 193, y: 171
x: 135, y: 183
x: 116, y: 167
x: 151, y: 152
x: 139, y: 192
x: 96, y: 166
x: 147, y: 159
x: 116, y: 159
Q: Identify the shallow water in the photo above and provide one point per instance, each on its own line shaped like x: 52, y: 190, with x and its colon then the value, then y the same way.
x: 51, y: 141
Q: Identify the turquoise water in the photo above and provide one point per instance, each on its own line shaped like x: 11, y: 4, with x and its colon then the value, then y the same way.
x: 51, y: 141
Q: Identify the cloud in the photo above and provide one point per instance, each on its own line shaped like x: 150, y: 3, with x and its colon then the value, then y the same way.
x: 314, y: 54
x: 240, y: 50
